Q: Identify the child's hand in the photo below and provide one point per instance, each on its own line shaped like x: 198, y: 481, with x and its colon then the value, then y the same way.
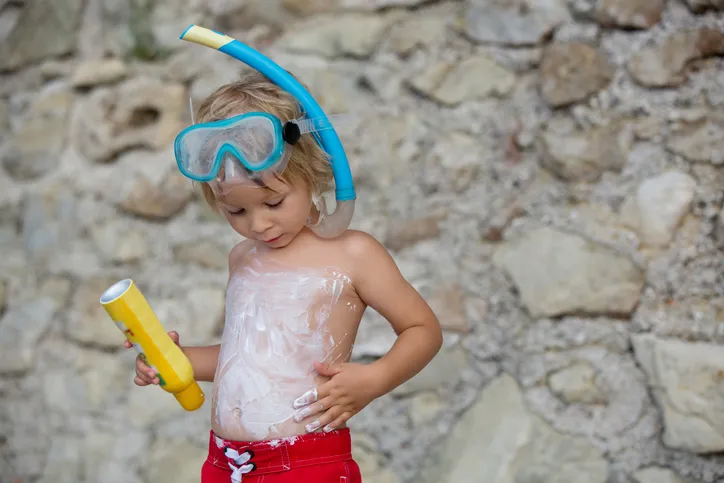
x: 351, y: 387
x: 144, y: 374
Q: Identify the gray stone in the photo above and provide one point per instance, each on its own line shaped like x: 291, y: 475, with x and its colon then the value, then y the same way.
x: 559, y: 273
x: 353, y: 34
x: 45, y: 28
x: 174, y: 461
x: 203, y: 253
x: 106, y: 377
x: 576, y: 384
x: 418, y: 31
x: 3, y: 295
x: 448, y: 303
x: 197, y: 316
x: 684, y: 377
x: 701, y: 141
x: 400, y: 236
x: 88, y: 322
x: 663, y: 64
x: 639, y: 14
x: 64, y: 463
x: 654, y: 474
x: 513, y: 22
x: 139, y: 113
x: 96, y: 72
x: 699, y: 6
x: 498, y: 440
x: 573, y: 71
x: 20, y: 331
x: 119, y: 243
x: 157, y: 200
x: 585, y: 155
x: 474, y: 78
x: 113, y: 457
x: 49, y: 221
x: 33, y: 150
x: 425, y: 407
x: 657, y: 209
x: 366, y: 453
x: 442, y: 369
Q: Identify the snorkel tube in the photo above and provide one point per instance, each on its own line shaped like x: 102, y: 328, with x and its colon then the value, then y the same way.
x: 328, y: 225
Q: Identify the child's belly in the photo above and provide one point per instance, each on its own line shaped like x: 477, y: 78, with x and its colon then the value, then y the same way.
x: 253, y: 402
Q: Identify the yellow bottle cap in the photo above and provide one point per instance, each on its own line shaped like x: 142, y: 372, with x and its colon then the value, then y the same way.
x: 191, y: 398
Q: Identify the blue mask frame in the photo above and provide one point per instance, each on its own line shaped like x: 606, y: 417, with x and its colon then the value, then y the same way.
x: 328, y: 139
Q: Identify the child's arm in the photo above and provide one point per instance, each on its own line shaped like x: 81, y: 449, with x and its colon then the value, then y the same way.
x: 381, y: 286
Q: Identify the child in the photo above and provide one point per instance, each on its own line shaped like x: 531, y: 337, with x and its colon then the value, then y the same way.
x: 283, y: 387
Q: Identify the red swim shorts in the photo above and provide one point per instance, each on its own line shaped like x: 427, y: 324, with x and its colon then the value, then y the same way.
x: 309, y: 458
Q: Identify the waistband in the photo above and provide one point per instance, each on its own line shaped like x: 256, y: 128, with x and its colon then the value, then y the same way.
x: 276, y: 455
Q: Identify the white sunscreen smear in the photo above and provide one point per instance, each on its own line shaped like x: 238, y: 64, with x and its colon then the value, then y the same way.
x: 276, y: 327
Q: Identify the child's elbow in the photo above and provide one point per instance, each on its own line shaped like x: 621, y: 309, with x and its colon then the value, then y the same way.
x: 436, y: 336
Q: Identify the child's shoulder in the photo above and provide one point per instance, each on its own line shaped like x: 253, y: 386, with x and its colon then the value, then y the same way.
x: 361, y: 247
x: 236, y: 255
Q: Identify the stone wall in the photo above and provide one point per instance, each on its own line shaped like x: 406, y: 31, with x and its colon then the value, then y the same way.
x: 547, y: 173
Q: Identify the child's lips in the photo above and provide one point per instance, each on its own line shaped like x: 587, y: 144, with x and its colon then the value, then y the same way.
x: 272, y: 240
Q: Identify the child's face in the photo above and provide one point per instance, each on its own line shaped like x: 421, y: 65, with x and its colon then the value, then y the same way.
x: 273, y: 216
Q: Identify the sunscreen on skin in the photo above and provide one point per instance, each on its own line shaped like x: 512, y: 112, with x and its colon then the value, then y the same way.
x: 133, y: 316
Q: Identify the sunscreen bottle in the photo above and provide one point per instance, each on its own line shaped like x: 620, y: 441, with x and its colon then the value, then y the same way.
x: 132, y: 314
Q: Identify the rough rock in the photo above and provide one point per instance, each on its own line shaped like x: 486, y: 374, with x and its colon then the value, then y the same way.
x: 88, y: 322
x: 585, y: 155
x: 400, y: 236
x: 654, y: 474
x: 3, y: 296
x: 572, y: 71
x: 701, y: 141
x: 513, y: 22
x: 473, y: 78
x: 559, y: 273
x: 378, y: 4
x: 34, y: 149
x: 425, y: 407
x: 638, y: 14
x: 175, y: 462
x: 118, y: 243
x: 139, y: 113
x: 418, y: 31
x: 663, y: 64
x: 684, y: 378
x: 45, y: 28
x: 353, y: 34
x: 576, y: 384
x: 699, y: 6
x: 447, y: 362
x: 659, y: 206
x: 203, y: 253
x: 96, y: 72
x: 448, y: 303
x: 197, y: 317
x: 365, y: 452
x: 20, y: 331
x: 498, y: 440
x: 157, y: 199
x: 49, y: 220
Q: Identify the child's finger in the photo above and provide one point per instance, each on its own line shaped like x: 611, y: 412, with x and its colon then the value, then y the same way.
x: 174, y: 336
x: 139, y: 381
x: 127, y: 344
x: 313, y: 409
x: 337, y: 423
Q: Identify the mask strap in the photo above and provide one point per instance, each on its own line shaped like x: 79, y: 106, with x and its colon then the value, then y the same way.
x: 191, y: 108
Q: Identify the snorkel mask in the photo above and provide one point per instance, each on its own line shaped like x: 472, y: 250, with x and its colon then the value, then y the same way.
x: 245, y: 148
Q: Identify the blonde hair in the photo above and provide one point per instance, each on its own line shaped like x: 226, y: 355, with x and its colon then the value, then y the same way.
x: 307, y: 163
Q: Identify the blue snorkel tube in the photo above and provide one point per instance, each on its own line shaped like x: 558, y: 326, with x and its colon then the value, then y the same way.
x: 329, y: 225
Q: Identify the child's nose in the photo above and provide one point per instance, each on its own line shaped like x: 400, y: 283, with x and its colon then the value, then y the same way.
x: 260, y: 223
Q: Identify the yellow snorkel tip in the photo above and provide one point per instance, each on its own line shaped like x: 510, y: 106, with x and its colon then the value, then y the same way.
x: 204, y: 36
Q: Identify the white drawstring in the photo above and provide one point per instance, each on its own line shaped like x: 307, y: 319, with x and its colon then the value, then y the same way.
x: 240, y: 461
